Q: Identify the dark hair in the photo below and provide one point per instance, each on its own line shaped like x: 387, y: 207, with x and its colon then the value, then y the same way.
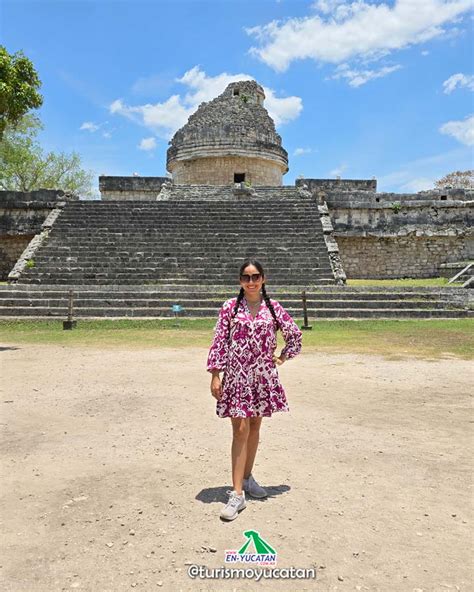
x: 240, y: 296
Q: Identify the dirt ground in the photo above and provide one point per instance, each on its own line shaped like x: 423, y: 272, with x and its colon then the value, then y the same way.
x: 115, y: 468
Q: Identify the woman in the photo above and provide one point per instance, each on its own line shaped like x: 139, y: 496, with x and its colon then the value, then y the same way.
x: 243, y: 349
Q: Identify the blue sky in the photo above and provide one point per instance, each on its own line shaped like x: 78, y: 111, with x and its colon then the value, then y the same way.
x: 358, y: 90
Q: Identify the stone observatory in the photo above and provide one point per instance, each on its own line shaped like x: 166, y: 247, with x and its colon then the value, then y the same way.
x: 231, y: 139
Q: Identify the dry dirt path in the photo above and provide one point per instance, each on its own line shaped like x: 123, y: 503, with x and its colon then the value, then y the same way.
x: 115, y: 468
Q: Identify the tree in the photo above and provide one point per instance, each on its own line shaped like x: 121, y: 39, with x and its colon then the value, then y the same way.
x: 457, y: 180
x: 24, y: 166
x: 19, y: 82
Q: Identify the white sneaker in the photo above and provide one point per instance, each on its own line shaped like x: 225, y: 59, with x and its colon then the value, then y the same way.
x: 234, y: 505
x: 253, y: 488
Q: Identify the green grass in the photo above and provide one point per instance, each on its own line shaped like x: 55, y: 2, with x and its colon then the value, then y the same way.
x: 393, y: 339
x: 404, y: 282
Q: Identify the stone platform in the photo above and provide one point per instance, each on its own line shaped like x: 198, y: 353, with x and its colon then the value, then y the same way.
x: 141, y: 302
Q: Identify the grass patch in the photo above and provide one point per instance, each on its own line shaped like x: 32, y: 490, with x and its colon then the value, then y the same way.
x: 403, y: 282
x: 409, y: 338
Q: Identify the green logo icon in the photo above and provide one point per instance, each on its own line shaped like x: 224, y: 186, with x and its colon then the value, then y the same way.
x: 255, y: 550
x: 261, y: 546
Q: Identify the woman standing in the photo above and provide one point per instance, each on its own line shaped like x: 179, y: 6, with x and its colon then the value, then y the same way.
x: 243, y: 349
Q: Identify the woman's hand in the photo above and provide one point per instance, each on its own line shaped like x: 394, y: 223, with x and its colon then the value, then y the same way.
x: 216, y: 386
x: 279, y: 360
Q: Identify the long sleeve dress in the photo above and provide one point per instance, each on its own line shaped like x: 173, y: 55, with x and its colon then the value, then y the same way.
x: 250, y: 385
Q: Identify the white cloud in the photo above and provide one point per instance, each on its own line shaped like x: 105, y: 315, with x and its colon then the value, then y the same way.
x: 89, y: 126
x: 425, y: 52
x: 147, y: 144
x: 166, y: 117
x: 418, y: 184
x: 161, y: 117
x: 419, y: 174
x: 338, y: 9
x: 343, y: 31
x: 301, y: 151
x: 359, y: 77
x: 337, y: 172
x: 462, y: 130
x: 458, y: 80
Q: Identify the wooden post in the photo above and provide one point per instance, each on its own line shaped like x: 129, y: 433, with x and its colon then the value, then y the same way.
x: 69, y: 324
x: 305, y: 312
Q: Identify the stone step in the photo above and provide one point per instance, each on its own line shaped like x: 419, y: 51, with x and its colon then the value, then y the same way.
x: 293, y: 237
x: 139, y: 301
x: 183, y: 255
x: 194, y: 237
x: 189, y: 304
x: 223, y: 246
x: 157, y: 312
x: 193, y: 273
x: 186, y: 292
x: 176, y: 280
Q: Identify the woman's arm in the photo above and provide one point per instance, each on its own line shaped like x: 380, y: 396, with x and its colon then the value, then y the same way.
x: 218, y: 352
x: 291, y: 333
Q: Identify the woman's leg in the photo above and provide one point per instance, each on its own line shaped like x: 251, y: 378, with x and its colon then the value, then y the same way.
x: 240, y: 434
x: 252, y: 444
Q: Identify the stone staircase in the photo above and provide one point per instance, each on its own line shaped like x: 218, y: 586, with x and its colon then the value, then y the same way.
x: 136, y: 259
x: 196, y: 235
x: 324, y: 302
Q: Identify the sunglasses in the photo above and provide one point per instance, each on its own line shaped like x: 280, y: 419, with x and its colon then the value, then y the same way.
x: 245, y: 277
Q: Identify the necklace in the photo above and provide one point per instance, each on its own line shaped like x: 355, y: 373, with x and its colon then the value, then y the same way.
x: 254, y: 307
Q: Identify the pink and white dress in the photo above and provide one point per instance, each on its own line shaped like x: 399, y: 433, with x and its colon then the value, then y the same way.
x: 250, y: 385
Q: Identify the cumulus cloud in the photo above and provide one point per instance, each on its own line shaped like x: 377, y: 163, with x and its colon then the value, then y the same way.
x: 458, y: 81
x: 147, y: 144
x: 359, y: 77
x: 360, y: 31
x: 301, y: 151
x: 166, y: 117
x: 462, y: 130
x: 89, y: 126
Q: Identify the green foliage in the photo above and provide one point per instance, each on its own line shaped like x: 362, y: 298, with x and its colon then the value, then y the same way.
x: 24, y: 166
x: 396, y: 207
x: 30, y: 263
x: 244, y: 98
x: 19, y: 82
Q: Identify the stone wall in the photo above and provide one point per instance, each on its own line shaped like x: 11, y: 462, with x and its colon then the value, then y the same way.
x: 11, y: 247
x: 402, y: 235
x: 411, y: 256
x: 21, y: 217
x: 131, y: 188
x: 334, y: 185
x: 220, y: 171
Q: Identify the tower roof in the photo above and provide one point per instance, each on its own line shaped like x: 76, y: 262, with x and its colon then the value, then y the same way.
x: 233, y: 124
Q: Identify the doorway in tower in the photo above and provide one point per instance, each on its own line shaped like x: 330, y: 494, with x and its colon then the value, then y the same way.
x: 239, y: 177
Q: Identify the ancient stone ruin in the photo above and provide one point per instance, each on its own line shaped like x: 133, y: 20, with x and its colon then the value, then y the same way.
x: 152, y: 242
x: 231, y: 139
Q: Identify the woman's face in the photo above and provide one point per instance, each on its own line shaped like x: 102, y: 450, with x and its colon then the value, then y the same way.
x: 249, y: 280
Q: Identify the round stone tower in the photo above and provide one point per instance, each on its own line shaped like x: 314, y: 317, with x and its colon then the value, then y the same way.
x: 229, y: 140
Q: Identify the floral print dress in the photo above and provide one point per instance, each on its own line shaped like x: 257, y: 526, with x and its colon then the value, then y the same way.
x: 250, y: 385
